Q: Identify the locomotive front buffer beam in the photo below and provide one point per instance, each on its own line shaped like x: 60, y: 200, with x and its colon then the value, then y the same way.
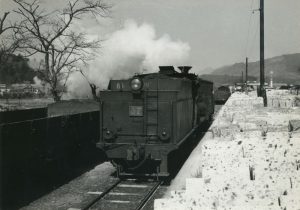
x: 146, y: 155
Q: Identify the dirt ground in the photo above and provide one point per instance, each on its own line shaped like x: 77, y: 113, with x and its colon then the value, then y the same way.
x: 77, y: 192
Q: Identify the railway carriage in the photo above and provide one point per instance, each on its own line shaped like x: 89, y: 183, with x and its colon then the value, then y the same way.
x: 145, y: 119
x: 222, y: 94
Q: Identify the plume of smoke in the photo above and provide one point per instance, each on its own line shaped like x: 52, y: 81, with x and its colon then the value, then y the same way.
x: 37, y: 81
x: 132, y: 49
x: 44, y: 87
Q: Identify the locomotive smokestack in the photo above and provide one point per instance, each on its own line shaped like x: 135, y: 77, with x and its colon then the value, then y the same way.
x: 184, y: 69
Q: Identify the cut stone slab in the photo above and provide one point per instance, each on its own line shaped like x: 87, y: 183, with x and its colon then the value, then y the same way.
x: 250, y: 159
x: 294, y: 125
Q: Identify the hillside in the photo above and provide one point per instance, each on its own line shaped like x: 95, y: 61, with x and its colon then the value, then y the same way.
x: 219, y: 80
x: 286, y: 68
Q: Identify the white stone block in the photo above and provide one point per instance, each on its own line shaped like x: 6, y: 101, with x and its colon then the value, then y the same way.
x: 264, y: 144
x: 169, y: 204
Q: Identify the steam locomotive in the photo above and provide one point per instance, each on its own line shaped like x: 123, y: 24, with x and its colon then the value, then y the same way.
x: 145, y: 119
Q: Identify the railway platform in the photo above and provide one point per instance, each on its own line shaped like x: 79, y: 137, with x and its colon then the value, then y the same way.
x: 249, y: 158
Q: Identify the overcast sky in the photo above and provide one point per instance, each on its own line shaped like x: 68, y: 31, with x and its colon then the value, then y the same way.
x: 215, y: 30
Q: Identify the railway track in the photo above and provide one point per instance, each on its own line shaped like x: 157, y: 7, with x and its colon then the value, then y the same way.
x: 127, y: 194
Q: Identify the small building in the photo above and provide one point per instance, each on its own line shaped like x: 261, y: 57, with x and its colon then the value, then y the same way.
x: 3, y: 89
x: 255, y: 84
x: 24, y: 89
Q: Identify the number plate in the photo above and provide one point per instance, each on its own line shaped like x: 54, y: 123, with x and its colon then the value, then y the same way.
x: 136, y: 111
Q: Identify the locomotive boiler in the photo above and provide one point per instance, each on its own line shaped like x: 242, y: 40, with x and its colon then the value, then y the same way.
x: 145, y: 119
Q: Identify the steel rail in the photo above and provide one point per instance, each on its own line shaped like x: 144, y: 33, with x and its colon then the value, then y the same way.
x: 101, y: 195
x: 148, y: 196
x: 140, y: 205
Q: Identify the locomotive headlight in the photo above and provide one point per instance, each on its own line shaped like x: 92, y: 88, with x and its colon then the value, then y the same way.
x: 164, y: 136
x: 136, y: 84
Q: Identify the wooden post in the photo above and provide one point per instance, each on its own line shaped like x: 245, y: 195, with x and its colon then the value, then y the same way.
x: 242, y: 77
x: 262, y: 54
x: 246, y: 83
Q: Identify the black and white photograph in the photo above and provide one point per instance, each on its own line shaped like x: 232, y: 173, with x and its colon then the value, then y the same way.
x: 150, y: 104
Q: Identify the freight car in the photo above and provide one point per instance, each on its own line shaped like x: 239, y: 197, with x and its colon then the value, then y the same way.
x: 145, y: 119
x: 222, y: 94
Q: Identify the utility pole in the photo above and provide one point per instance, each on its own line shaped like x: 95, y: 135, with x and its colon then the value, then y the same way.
x: 262, y: 91
x: 246, y: 83
x: 242, y: 77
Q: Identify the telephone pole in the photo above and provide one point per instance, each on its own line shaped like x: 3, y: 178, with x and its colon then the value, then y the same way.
x: 262, y: 91
x: 246, y: 82
x: 243, y: 77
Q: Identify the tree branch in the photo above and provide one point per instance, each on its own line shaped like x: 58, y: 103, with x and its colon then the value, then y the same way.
x: 51, y: 34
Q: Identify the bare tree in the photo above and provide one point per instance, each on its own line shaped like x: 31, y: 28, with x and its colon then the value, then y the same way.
x: 92, y: 86
x: 51, y: 35
x: 8, y: 41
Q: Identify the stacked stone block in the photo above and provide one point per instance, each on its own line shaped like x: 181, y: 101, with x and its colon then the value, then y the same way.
x: 249, y: 160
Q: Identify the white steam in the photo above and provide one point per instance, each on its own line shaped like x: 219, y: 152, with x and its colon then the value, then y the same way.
x: 37, y: 81
x: 133, y: 49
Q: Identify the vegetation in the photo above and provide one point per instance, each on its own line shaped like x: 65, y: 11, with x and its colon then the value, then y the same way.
x: 8, y: 42
x: 50, y: 34
x: 16, y: 70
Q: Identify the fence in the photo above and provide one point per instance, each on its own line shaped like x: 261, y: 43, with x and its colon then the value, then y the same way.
x: 22, y: 115
x: 39, y: 154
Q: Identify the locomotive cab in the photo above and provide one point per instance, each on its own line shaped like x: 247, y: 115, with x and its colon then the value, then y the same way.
x: 145, y: 118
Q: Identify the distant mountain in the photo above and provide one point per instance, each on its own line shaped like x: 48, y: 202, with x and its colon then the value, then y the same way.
x: 285, y: 68
x: 219, y: 80
x: 208, y: 70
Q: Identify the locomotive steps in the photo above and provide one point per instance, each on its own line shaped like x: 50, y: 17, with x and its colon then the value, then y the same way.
x: 249, y: 159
